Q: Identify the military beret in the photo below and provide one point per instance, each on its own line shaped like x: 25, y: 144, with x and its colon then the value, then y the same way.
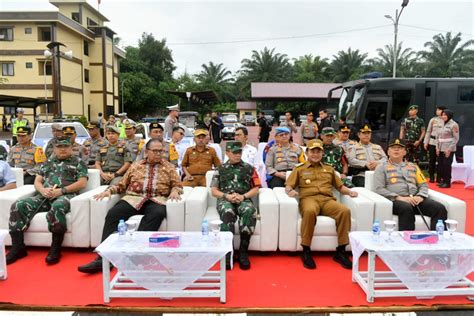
x: 233, y: 147
x: 156, y: 125
x: 413, y: 107
x: 365, y: 129
x: 282, y: 129
x: 69, y: 130
x: 315, y: 143
x: 397, y: 142
x: 23, y: 130
x: 63, y: 141
x: 113, y: 129
x: 328, y: 131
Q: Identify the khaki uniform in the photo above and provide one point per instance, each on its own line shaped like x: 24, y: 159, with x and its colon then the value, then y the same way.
x: 80, y: 152
x: 404, y: 179
x: 359, y: 155
x: 309, y: 130
x: 346, y: 144
x: 282, y: 159
x: 315, y: 183
x: 50, y: 147
x: 432, y: 131
x: 112, y: 158
x: 198, y: 163
x: 134, y: 146
x: 93, y: 147
x: 28, y: 158
x: 170, y: 123
x: 447, y: 139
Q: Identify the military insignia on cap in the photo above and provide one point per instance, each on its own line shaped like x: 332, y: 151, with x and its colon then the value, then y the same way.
x: 393, y: 180
x: 366, y: 128
x: 69, y: 130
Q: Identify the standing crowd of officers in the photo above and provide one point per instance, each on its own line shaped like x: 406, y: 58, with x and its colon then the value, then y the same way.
x: 148, y: 174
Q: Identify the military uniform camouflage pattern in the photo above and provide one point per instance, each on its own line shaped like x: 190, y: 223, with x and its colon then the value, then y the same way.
x: 413, y: 128
x: 235, y: 178
x: 54, y: 172
x: 93, y: 147
x: 3, y: 153
x: 333, y: 155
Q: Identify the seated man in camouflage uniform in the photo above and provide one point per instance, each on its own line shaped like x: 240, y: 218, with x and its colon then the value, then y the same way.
x: 364, y: 156
x: 78, y: 150
x: 113, y: 159
x: 234, y: 184
x: 94, y: 144
x: 403, y: 183
x: 133, y: 143
x: 282, y: 157
x: 59, y: 180
x: 26, y: 155
x: 57, y: 132
x: 144, y: 194
x: 334, y: 155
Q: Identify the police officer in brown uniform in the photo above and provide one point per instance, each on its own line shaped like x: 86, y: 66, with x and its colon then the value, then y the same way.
x: 57, y: 131
x: 446, y: 145
x: 94, y: 143
x: 198, y: 160
x: 309, y: 129
x: 315, y: 181
x: 26, y: 155
x: 364, y: 156
x: 133, y: 143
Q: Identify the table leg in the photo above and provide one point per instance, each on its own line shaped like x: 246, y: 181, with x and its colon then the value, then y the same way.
x: 223, y: 280
x: 3, y: 263
x: 355, y: 270
x: 371, y: 277
x: 106, y: 279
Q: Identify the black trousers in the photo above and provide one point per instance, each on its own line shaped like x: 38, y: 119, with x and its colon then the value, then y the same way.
x: 406, y: 213
x: 263, y: 138
x: 432, y: 161
x: 358, y: 181
x: 444, y: 167
x: 276, y: 182
x: 154, y: 215
x: 28, y: 179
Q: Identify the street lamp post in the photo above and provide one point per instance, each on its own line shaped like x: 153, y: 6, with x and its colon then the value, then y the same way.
x: 121, y: 90
x: 395, y: 28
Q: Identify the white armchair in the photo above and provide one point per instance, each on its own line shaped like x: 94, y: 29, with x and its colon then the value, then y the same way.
x: 456, y: 208
x: 325, y: 234
x: 174, y: 220
x: 19, y: 176
x: 78, y: 230
x: 201, y: 204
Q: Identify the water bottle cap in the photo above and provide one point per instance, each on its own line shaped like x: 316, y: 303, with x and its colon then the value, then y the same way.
x: 204, y: 220
x: 122, y: 221
x: 440, y: 221
x: 377, y: 221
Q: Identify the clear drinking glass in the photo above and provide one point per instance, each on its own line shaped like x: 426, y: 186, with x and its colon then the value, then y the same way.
x: 451, y: 225
x: 215, y: 226
x: 132, y: 226
x: 389, y: 227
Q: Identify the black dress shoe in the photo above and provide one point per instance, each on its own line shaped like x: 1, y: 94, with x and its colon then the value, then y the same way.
x: 341, y: 258
x: 228, y: 266
x: 92, y: 267
x: 445, y: 185
x: 432, y: 180
x: 308, y: 261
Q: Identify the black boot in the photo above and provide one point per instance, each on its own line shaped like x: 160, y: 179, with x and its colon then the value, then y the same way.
x: 243, y: 252
x: 445, y: 185
x: 228, y: 258
x: 342, y: 258
x: 92, y: 267
x: 54, y: 253
x: 308, y: 261
x: 18, y: 249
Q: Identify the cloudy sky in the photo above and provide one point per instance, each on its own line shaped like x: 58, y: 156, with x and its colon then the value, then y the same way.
x: 226, y: 31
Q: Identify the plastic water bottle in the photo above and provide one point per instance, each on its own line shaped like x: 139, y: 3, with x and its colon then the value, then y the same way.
x: 376, y: 229
x: 122, y: 229
x: 440, y: 228
x: 205, y: 230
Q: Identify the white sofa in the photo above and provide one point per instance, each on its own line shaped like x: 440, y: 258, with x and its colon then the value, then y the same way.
x: 78, y: 230
x: 19, y: 176
x: 201, y: 204
x: 325, y: 234
x: 456, y: 208
x: 174, y: 220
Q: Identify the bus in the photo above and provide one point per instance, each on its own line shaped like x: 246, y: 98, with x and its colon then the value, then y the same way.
x: 383, y: 103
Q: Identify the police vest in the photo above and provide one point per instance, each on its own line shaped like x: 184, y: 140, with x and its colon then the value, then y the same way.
x: 18, y: 123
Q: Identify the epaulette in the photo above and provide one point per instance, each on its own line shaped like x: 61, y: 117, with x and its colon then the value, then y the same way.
x: 299, y: 164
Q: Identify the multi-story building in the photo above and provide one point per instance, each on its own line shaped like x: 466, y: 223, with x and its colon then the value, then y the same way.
x: 86, y: 84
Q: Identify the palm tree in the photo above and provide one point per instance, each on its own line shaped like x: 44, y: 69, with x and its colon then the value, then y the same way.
x: 347, y: 65
x: 406, y: 59
x: 446, y: 56
x: 266, y: 66
x: 309, y: 68
x: 214, y: 74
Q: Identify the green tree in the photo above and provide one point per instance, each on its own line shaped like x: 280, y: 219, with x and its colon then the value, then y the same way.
x: 406, y: 60
x: 217, y: 78
x: 446, y: 56
x: 309, y: 68
x: 156, y: 56
x: 266, y: 66
x: 347, y: 65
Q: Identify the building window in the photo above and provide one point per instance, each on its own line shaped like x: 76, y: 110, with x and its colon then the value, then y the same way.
x: 6, y: 33
x: 465, y: 94
x: 28, y: 30
x: 86, y: 48
x: 75, y: 16
x: 10, y: 110
x: 8, y: 69
x: 86, y: 75
x: 44, y: 34
x: 91, y: 23
x: 29, y: 65
x: 41, y: 68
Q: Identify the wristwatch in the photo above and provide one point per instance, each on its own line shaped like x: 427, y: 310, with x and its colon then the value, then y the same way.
x: 63, y: 190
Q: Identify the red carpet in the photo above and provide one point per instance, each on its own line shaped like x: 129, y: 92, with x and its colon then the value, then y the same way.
x: 276, y: 282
